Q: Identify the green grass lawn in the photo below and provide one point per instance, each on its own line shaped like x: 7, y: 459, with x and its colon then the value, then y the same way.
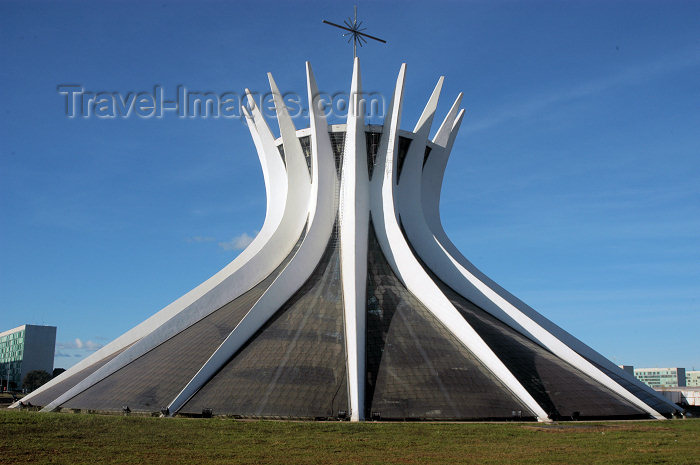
x: 39, y: 438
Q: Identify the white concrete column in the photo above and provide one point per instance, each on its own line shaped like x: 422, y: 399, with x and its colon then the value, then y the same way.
x: 410, y: 271
x: 354, y: 226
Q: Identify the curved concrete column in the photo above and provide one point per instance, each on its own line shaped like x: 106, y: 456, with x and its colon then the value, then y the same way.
x: 354, y: 227
x: 321, y: 216
x: 410, y: 271
x: 442, y: 256
x: 267, y: 251
x: 461, y: 279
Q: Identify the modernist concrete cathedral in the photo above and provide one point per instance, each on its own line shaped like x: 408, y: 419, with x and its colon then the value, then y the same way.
x: 352, y: 302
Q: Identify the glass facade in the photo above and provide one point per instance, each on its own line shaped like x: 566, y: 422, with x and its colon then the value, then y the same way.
x: 661, y: 377
x: 11, y: 355
x: 560, y: 389
x: 45, y: 397
x: 373, y: 139
x: 151, y: 381
x: 427, y: 154
x: 305, y: 142
x: 295, y: 366
x: 24, y: 349
x: 416, y: 368
x: 404, y: 144
x: 306, y: 148
x: 338, y: 145
x: 649, y: 399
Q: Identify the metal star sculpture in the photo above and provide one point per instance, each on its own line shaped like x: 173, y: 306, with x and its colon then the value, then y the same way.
x: 355, y: 33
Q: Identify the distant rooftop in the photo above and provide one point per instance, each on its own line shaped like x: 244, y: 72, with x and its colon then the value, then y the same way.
x: 19, y: 328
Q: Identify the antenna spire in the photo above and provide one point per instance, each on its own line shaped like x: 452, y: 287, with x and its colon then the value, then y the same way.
x: 354, y: 33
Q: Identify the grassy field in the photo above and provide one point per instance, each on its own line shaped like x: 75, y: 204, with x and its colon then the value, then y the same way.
x: 37, y: 438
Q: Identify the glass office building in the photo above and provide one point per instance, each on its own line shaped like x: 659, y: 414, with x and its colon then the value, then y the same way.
x: 23, y: 349
x: 661, y: 377
x: 692, y: 378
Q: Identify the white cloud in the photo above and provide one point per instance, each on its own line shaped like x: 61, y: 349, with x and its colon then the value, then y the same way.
x: 92, y: 345
x: 200, y: 239
x: 79, y: 344
x: 70, y: 352
x: 67, y: 345
x: 237, y: 243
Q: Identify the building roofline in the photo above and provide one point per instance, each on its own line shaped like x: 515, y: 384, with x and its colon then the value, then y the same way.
x: 13, y: 330
x: 24, y: 326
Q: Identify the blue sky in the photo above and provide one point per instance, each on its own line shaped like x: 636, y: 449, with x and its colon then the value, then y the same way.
x: 574, y: 182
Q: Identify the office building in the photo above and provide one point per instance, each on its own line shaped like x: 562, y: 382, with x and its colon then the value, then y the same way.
x: 692, y: 378
x: 661, y: 377
x: 24, y: 349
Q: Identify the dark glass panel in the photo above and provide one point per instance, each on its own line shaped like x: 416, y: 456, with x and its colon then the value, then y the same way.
x: 416, y: 368
x: 338, y: 145
x: 151, y: 381
x: 427, y: 154
x: 404, y: 144
x: 649, y: 399
x: 306, y: 148
x: 373, y: 139
x: 560, y: 389
x: 294, y: 367
x: 44, y: 398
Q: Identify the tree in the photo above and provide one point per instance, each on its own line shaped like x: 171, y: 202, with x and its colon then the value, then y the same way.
x: 57, y: 371
x: 35, y: 379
